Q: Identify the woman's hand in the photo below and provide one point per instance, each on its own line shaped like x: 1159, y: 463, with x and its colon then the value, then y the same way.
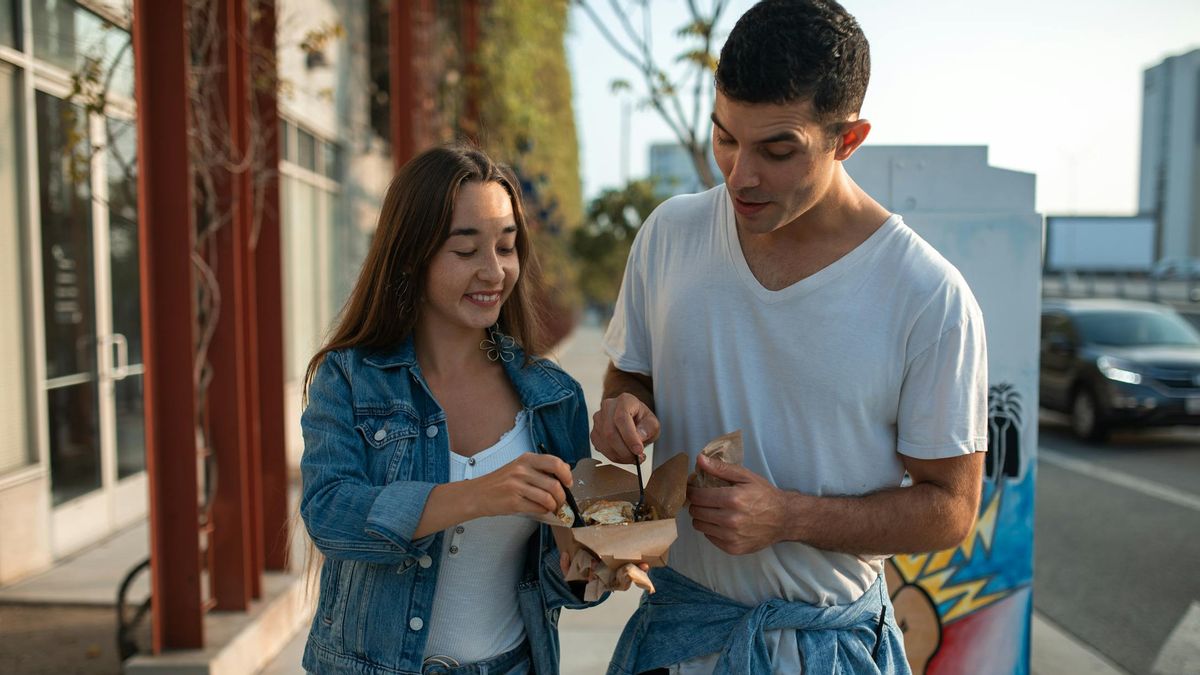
x: 531, y: 483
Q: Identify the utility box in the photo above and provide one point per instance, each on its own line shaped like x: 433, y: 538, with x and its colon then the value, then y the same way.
x: 968, y: 609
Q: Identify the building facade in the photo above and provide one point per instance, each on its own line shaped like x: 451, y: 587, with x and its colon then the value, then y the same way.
x: 673, y: 173
x: 72, y: 446
x: 1169, y: 173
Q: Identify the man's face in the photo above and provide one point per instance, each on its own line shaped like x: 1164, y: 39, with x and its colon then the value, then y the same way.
x: 777, y: 160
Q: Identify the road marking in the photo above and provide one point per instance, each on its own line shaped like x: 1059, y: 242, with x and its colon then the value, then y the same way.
x: 1180, y: 654
x: 1142, y: 485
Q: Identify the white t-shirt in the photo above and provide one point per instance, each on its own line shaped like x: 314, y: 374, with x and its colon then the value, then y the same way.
x: 475, y: 614
x: 880, y: 353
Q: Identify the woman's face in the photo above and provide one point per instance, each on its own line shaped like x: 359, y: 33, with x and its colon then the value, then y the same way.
x: 474, y: 271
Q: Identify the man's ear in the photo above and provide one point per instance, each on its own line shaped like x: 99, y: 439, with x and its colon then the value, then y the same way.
x: 851, y: 136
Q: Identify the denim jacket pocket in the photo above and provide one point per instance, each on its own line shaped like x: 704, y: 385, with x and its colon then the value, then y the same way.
x: 330, y: 590
x: 390, y: 439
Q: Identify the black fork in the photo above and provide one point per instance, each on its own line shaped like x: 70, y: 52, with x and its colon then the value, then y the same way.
x: 639, y: 508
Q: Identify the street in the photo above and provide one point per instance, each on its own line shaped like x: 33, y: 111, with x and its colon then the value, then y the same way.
x: 1116, y: 549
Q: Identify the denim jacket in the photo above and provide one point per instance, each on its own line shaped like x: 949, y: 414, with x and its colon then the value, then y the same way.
x: 375, y: 445
x: 683, y: 620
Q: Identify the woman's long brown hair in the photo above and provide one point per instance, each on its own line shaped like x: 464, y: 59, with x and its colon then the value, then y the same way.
x: 414, y: 222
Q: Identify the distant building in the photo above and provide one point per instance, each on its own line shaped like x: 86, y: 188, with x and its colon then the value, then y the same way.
x: 672, y: 170
x: 1105, y: 244
x: 1169, y: 176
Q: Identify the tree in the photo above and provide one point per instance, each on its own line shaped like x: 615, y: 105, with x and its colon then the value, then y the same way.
x: 663, y: 92
x: 602, y: 244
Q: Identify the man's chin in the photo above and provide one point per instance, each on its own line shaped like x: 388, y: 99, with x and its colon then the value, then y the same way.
x: 759, y: 224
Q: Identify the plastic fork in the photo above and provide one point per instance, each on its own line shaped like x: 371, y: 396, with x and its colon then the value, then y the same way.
x: 638, y: 508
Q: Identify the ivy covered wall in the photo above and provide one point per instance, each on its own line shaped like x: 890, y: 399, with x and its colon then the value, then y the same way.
x: 527, y: 120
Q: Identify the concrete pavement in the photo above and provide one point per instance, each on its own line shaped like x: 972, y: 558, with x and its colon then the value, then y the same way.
x: 588, y: 637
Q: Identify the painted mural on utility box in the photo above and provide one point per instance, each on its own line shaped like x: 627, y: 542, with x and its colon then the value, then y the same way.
x: 967, y: 609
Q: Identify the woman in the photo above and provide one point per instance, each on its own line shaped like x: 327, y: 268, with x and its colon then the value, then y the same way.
x: 430, y: 434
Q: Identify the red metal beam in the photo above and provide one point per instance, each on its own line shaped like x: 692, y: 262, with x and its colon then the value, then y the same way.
x: 166, y: 242
x: 241, y: 129
x: 470, y: 122
x: 269, y: 300
x: 403, y: 97
x: 232, y: 563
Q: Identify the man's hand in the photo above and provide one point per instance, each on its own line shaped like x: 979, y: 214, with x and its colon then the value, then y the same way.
x: 745, y: 517
x: 623, y: 427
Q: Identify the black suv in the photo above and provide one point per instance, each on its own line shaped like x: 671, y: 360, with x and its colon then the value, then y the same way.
x: 1119, y: 363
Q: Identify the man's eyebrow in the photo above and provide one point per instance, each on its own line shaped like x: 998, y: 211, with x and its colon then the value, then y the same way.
x: 781, y: 137
x: 717, y: 123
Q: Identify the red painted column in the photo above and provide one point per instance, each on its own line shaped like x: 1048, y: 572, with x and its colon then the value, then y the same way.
x: 241, y: 112
x: 269, y: 298
x: 232, y: 563
x: 403, y: 96
x: 166, y: 242
x: 470, y: 122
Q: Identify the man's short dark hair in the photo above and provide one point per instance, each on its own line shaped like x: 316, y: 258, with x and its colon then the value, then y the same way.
x: 784, y: 51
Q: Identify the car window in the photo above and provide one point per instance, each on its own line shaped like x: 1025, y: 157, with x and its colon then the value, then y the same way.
x: 1055, y: 325
x: 1136, y: 328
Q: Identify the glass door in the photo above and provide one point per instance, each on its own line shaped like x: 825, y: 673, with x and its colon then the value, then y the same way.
x: 125, y: 378
x: 92, y: 322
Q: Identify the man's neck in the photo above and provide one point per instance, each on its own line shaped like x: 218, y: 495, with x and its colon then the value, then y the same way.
x: 845, y: 217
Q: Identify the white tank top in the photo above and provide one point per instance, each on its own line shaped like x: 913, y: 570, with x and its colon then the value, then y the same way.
x: 475, y: 614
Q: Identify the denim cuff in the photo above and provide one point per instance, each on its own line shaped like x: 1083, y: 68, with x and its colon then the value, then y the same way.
x: 557, y: 590
x: 396, y: 513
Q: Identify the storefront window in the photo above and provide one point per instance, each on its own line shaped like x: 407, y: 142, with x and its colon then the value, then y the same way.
x: 68, y: 287
x: 9, y: 35
x: 15, y: 448
x: 82, y: 43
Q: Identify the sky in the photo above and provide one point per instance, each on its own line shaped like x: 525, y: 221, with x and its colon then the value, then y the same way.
x: 1052, y: 87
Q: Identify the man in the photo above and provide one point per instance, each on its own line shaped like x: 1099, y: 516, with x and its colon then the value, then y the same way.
x: 791, y: 305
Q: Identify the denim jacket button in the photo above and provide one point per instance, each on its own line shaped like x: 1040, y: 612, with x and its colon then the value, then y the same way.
x: 380, y: 435
x: 431, y: 430
x: 416, y: 623
x: 425, y: 562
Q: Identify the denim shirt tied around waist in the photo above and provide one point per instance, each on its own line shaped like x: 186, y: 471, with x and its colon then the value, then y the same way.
x: 375, y: 445
x: 683, y: 620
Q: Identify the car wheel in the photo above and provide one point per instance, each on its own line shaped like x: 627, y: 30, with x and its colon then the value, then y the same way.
x: 1085, y: 417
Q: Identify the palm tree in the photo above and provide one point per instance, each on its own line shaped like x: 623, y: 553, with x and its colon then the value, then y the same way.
x: 1004, y: 427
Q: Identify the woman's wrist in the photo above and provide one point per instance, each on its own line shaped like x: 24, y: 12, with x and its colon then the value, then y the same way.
x: 465, y: 494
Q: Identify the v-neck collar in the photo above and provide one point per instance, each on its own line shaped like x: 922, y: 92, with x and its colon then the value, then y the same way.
x: 811, y: 283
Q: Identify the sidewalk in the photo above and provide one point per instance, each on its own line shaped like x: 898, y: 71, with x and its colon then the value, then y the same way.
x: 588, y: 637
x: 63, y: 621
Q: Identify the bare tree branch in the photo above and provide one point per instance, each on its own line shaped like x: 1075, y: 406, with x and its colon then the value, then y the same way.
x: 663, y: 94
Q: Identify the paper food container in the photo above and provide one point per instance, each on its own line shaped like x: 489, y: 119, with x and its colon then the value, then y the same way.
x: 641, y: 542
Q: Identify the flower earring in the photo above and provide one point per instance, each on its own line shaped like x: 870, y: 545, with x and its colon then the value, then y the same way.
x: 498, y: 346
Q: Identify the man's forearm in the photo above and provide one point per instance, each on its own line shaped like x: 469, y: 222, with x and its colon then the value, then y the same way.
x: 617, y: 382
x: 923, y: 517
